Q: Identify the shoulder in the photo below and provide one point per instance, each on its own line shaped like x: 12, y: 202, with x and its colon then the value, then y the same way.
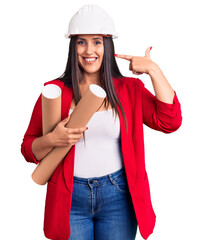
x: 57, y: 82
x: 129, y: 82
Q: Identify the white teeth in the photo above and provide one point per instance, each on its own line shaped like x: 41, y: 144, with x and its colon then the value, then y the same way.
x: 90, y: 59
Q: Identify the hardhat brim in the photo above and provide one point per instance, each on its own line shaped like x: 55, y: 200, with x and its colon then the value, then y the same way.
x: 69, y: 35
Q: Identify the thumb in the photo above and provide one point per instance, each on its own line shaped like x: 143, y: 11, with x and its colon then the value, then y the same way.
x: 65, y: 120
x: 147, y: 52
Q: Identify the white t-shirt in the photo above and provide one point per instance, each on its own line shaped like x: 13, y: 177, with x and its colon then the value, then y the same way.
x: 101, y: 154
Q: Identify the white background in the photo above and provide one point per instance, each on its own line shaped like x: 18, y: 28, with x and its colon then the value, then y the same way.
x: 33, y: 50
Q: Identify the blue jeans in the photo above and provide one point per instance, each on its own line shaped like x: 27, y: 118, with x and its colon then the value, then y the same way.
x: 102, y: 209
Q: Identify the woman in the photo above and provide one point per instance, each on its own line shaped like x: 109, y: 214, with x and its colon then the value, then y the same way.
x: 101, y: 191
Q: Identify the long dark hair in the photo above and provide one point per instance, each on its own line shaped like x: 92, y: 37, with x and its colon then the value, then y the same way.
x: 72, y: 76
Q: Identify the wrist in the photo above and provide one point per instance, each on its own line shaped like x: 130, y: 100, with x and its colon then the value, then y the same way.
x: 51, y: 139
x: 153, y: 68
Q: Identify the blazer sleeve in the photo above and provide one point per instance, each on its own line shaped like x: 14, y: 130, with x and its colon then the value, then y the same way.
x: 159, y: 115
x: 34, y: 131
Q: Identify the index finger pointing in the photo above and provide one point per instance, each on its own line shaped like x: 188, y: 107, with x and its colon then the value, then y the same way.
x: 127, y: 57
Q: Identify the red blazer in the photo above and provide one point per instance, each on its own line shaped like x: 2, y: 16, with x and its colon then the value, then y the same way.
x: 140, y: 106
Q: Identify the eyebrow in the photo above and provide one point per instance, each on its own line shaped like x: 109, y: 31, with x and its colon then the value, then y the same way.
x: 92, y: 38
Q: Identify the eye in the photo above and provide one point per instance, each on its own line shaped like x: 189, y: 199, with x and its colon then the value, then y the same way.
x: 81, y: 42
x: 97, y: 42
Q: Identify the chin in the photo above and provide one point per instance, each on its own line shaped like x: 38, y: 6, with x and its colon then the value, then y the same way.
x: 91, y: 71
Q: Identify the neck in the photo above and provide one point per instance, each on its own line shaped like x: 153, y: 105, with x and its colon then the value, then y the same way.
x: 90, y: 78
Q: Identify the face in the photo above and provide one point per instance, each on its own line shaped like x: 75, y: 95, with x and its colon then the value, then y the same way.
x: 90, y: 51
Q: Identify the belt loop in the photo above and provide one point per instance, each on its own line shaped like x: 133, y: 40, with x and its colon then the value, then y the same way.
x: 111, y: 179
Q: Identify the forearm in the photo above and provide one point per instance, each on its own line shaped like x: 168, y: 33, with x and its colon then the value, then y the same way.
x: 163, y: 91
x: 41, y: 146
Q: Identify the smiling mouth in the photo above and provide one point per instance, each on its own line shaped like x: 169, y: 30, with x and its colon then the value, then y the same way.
x: 90, y: 59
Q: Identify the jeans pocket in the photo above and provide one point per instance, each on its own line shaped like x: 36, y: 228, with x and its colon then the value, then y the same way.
x: 120, y: 183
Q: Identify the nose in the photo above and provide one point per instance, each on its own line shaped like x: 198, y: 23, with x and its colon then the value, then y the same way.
x: 89, y: 49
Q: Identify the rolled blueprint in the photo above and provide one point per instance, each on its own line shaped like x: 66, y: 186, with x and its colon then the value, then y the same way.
x: 87, y: 106
x: 51, y: 107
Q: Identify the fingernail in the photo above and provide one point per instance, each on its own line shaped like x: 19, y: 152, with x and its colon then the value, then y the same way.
x: 86, y: 128
x: 150, y: 48
x: 115, y: 55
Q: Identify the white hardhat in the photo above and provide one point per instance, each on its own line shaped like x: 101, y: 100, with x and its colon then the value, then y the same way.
x: 91, y: 19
